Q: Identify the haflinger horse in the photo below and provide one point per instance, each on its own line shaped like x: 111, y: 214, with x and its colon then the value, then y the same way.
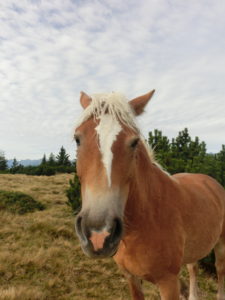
x: 150, y: 222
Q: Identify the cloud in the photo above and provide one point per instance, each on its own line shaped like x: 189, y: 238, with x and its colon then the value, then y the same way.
x: 50, y: 50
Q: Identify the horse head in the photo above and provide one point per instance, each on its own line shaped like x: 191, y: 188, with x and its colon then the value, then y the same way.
x: 107, y: 142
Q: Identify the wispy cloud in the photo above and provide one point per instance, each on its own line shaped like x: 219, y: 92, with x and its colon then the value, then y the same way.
x: 50, y: 50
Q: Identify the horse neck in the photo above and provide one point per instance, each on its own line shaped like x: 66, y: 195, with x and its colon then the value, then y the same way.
x: 145, y: 198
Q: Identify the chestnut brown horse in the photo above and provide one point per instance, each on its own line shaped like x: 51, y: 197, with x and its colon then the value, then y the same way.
x: 150, y: 222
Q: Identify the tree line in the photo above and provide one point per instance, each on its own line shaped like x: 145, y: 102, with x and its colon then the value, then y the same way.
x: 180, y: 154
x: 48, y: 166
x: 185, y: 154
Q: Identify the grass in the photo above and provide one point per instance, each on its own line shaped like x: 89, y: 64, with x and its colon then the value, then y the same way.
x: 40, y: 256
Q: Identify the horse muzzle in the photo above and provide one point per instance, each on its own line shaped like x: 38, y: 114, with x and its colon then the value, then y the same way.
x: 99, y: 241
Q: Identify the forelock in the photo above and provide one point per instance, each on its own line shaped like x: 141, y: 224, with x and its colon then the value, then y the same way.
x: 114, y: 104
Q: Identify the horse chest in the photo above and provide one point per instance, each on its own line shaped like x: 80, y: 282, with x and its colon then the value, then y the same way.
x: 149, y: 263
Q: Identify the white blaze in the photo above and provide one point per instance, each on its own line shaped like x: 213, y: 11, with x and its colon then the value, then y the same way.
x: 107, y: 131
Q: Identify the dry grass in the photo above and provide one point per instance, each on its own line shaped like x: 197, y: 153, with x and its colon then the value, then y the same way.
x: 40, y: 257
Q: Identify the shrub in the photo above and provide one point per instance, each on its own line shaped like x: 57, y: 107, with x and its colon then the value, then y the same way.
x: 18, y: 203
x: 45, y: 170
x: 73, y: 194
x: 64, y: 169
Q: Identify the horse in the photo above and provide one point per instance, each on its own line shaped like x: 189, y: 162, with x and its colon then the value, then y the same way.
x: 152, y: 223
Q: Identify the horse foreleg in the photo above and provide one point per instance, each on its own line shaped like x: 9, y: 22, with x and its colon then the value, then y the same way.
x: 135, y: 285
x: 220, y: 267
x: 169, y: 288
x: 193, y: 290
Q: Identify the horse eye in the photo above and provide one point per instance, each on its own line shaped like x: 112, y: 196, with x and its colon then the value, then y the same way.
x: 134, y: 143
x: 77, y: 140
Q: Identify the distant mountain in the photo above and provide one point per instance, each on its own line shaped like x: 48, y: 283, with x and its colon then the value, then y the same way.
x: 26, y: 162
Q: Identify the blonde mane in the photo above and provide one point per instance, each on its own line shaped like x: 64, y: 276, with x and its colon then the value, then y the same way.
x: 115, y: 104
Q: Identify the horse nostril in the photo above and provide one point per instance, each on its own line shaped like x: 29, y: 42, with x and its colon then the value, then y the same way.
x: 78, y: 223
x: 117, y: 230
x: 79, y: 228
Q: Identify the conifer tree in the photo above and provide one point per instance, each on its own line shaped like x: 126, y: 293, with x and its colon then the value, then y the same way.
x: 15, y: 163
x: 63, y: 158
x: 3, y: 161
x: 51, y: 160
x: 43, y: 162
x: 221, y: 161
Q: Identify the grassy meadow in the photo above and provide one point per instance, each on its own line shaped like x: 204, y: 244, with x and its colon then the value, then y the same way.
x: 40, y: 257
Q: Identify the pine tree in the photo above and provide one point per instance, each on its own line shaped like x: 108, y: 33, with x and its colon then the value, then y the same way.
x: 63, y: 158
x: 51, y: 160
x: 158, y: 141
x: 3, y: 161
x: 161, y: 145
x: 15, y: 163
x: 221, y: 162
x: 182, y: 145
x: 43, y: 162
x: 16, y: 167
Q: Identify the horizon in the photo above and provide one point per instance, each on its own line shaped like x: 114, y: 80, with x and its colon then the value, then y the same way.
x: 71, y: 159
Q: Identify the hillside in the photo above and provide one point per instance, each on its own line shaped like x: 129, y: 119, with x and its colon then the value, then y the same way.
x: 40, y: 257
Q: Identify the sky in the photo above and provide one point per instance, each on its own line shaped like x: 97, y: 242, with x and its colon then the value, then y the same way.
x: 52, y: 50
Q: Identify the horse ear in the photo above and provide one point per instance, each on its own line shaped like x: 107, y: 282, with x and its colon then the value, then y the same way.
x: 85, y: 100
x: 138, y: 104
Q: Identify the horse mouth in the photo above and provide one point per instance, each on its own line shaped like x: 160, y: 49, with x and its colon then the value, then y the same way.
x: 99, y: 243
x: 101, y: 253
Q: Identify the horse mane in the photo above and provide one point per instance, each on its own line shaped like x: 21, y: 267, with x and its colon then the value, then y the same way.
x: 151, y: 154
x: 115, y: 104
